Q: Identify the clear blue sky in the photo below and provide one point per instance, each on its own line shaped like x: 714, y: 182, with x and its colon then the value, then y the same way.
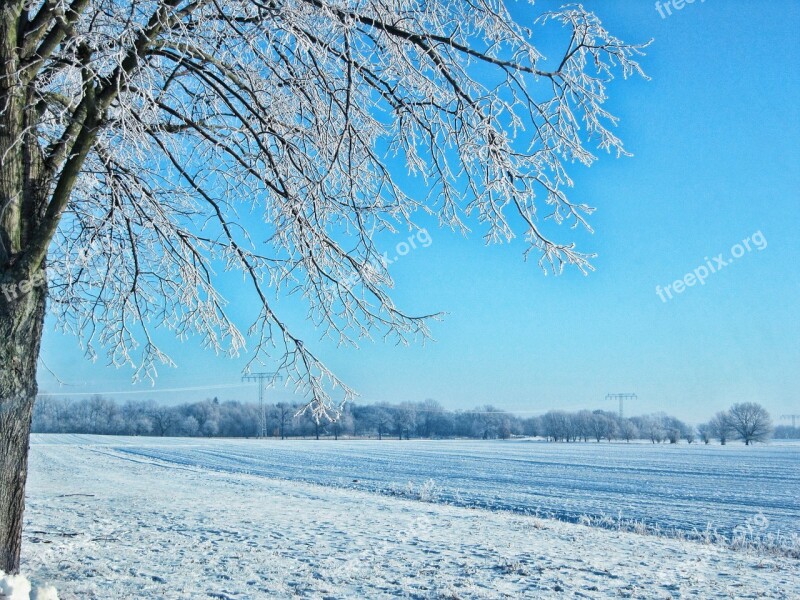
x: 715, y: 137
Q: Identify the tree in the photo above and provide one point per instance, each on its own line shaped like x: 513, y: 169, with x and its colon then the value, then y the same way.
x: 98, y: 414
x: 654, y: 428
x: 555, y: 425
x: 600, y: 425
x: 584, y: 422
x: 343, y: 424
x: 721, y: 427
x: 405, y: 419
x: 136, y: 417
x: 190, y: 427
x: 504, y: 427
x: 704, y: 429
x: 382, y: 420
x: 751, y: 422
x: 429, y: 418
x: 628, y: 430
x: 603, y: 424
x: 786, y: 432
x: 485, y: 422
x: 163, y: 418
x: 313, y: 425
x: 284, y: 414
x: 133, y: 133
x: 689, y: 434
x: 530, y: 427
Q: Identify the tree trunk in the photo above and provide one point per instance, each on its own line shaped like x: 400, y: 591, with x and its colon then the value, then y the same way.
x: 21, y: 323
x: 21, y: 300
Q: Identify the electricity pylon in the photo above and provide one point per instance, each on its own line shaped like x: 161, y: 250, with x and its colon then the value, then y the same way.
x: 262, y: 379
x: 621, y: 398
x: 793, y: 419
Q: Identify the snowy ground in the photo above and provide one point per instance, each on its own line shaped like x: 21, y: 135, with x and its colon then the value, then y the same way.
x: 107, y: 523
x: 682, y: 487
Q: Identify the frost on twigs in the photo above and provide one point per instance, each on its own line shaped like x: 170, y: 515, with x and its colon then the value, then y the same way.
x: 265, y: 140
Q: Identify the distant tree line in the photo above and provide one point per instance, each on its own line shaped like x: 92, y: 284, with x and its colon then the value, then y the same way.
x: 101, y: 415
x: 428, y: 419
x: 746, y: 421
x: 786, y: 432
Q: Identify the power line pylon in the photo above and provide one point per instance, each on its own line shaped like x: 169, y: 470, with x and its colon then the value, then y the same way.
x: 793, y: 418
x: 621, y: 398
x: 262, y: 379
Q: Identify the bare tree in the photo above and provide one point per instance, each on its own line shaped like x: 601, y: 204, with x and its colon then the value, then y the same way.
x: 689, y: 434
x: 751, y: 422
x: 163, y: 418
x: 382, y: 420
x: 628, y: 430
x: 503, y: 427
x: 405, y: 419
x: 584, y: 420
x: 342, y: 424
x: 428, y: 417
x: 314, y: 425
x: 556, y: 425
x: 600, y: 425
x: 134, y: 135
x: 704, y: 429
x: 284, y: 412
x: 603, y: 425
x: 189, y: 426
x: 136, y: 415
x: 654, y: 428
x: 721, y: 427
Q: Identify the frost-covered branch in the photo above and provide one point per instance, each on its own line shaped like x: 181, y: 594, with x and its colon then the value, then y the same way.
x: 181, y: 139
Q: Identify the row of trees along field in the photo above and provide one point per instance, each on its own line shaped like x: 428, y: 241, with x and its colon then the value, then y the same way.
x: 426, y: 419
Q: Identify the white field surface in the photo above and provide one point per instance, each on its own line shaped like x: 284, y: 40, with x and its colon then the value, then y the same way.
x: 112, y: 518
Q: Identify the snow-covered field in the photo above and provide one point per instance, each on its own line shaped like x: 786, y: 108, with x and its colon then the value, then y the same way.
x: 672, y: 487
x: 150, y: 518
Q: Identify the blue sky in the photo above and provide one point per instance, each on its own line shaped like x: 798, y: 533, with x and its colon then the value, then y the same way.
x: 714, y: 134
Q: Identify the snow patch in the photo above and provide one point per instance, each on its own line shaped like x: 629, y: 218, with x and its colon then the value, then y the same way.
x: 17, y: 587
x: 46, y: 592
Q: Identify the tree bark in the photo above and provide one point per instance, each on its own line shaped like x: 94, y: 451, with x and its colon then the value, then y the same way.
x: 22, y: 292
x: 21, y: 323
x: 12, y: 107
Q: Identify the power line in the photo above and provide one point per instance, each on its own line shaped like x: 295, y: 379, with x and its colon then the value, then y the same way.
x: 270, y: 376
